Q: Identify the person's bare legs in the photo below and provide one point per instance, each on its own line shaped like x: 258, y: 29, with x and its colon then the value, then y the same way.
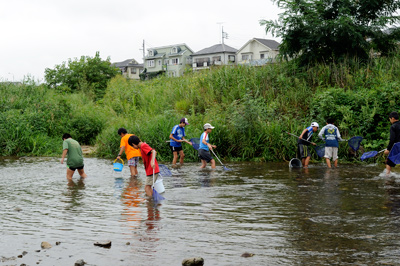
x: 336, y: 162
x: 203, y: 164
x: 306, y: 161
x: 388, y: 169
x: 133, y: 170
x: 212, y: 164
x: 82, y: 173
x: 149, y: 190
x: 328, y: 162
x: 181, y: 157
x: 175, y: 153
x: 70, y: 173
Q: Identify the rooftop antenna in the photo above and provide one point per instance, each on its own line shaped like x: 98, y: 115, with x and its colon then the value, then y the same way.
x: 143, y: 49
x: 220, y: 26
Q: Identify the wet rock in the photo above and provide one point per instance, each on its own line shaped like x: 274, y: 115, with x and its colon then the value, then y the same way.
x: 38, y: 250
x: 104, y: 244
x: 193, y: 262
x: 24, y: 253
x: 19, y: 256
x: 23, y: 264
x: 58, y: 243
x: 128, y: 243
x: 247, y: 255
x: 17, y: 209
x: 45, y: 245
x: 80, y: 263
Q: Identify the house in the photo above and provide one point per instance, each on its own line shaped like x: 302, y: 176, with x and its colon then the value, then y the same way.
x: 130, y: 68
x: 171, y: 60
x: 258, y: 52
x: 219, y: 54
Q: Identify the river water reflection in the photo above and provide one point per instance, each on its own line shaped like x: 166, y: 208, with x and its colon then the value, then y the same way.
x: 344, y: 216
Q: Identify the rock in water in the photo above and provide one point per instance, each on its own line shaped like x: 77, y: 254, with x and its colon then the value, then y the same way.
x: 104, y: 244
x: 80, y: 263
x: 247, y: 255
x: 193, y: 262
x: 45, y: 245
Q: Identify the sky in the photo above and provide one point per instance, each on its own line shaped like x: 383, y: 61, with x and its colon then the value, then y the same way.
x: 40, y: 34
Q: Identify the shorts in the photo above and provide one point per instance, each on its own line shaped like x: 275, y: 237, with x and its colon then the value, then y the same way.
x: 390, y: 163
x: 175, y: 149
x: 331, y: 152
x: 205, y: 155
x: 304, y: 150
x: 134, y: 161
x: 149, y: 179
x: 76, y: 168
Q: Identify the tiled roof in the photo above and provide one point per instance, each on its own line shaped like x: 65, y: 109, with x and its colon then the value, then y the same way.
x: 218, y: 48
x: 274, y: 45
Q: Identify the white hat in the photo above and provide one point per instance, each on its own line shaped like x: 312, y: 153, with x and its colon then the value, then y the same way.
x: 207, y: 125
x: 314, y: 124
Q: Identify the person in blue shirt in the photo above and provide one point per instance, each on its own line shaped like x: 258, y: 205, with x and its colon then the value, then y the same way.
x: 330, y: 133
x: 304, y: 142
x: 177, y: 136
x: 205, y: 147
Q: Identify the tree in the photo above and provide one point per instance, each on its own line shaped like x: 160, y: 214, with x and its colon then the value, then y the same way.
x: 332, y: 30
x: 88, y: 74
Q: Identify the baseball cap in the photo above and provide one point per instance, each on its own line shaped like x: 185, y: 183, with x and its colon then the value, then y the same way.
x: 184, y: 120
x: 207, y: 125
x: 314, y: 124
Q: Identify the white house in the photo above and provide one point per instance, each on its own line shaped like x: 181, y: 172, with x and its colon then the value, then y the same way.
x: 130, y: 68
x: 219, y: 54
x: 258, y: 52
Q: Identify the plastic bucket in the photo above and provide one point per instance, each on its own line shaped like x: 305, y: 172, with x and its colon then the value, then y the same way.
x: 118, y: 166
x: 159, y: 186
x: 295, y: 163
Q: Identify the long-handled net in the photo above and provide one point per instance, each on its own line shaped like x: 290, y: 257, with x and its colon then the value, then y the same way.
x: 369, y: 154
x: 320, y: 150
x: 195, y: 143
x: 394, y: 154
x: 164, y: 170
x: 354, y: 142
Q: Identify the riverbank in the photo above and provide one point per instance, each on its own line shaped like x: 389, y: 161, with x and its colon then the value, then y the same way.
x: 249, y: 107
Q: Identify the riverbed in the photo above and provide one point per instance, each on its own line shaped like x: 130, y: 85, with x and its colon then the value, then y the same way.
x: 318, y: 216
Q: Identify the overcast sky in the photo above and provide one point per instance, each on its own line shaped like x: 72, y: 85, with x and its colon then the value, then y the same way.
x: 39, y: 34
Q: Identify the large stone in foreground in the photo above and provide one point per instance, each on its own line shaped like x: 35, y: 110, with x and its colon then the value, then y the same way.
x: 45, y: 245
x: 193, y: 262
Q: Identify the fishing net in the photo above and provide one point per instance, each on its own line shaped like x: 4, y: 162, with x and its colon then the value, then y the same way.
x: 369, y: 154
x: 320, y: 149
x: 354, y: 142
x: 394, y: 154
x: 195, y: 143
x: 164, y: 171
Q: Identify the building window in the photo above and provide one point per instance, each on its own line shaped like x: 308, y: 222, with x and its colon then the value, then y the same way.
x: 174, y: 50
x: 133, y: 70
x: 246, y: 57
x: 262, y: 56
x: 151, y: 53
x: 175, y: 61
x: 166, y: 62
x: 150, y: 63
x: 205, y: 61
x: 232, y: 58
x: 216, y: 58
x: 159, y: 62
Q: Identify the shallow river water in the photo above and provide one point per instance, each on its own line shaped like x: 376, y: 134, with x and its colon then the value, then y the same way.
x: 344, y: 216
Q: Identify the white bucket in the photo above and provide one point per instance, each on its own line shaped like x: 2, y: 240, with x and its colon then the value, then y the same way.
x: 295, y: 163
x: 159, y: 186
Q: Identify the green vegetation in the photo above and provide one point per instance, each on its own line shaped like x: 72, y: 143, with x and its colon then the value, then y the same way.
x: 249, y: 107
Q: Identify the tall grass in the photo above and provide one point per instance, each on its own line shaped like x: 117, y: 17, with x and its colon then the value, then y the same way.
x: 249, y: 107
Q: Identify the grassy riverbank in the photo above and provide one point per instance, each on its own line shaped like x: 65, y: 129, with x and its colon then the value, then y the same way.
x: 249, y: 106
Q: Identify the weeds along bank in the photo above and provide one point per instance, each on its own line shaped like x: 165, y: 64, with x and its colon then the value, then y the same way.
x: 249, y: 107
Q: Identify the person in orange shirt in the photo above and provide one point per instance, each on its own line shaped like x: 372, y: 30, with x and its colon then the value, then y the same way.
x: 132, y: 154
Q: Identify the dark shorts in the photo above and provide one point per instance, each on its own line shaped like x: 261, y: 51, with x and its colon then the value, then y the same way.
x: 175, y: 149
x: 304, y: 150
x: 77, y: 168
x: 390, y: 163
x: 205, y: 155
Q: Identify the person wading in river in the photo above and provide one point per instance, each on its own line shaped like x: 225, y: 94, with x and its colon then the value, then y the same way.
x: 75, y: 159
x: 394, y: 137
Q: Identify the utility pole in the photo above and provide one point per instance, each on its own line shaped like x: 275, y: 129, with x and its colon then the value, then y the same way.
x: 143, y: 50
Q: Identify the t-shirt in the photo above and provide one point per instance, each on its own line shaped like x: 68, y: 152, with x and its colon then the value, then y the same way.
x: 178, y: 133
x: 145, y: 149
x: 331, y: 134
x: 129, y: 150
x: 75, y: 158
x: 205, y: 137
x: 306, y: 136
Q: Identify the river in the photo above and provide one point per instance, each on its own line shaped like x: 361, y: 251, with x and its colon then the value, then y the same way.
x: 319, y: 216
